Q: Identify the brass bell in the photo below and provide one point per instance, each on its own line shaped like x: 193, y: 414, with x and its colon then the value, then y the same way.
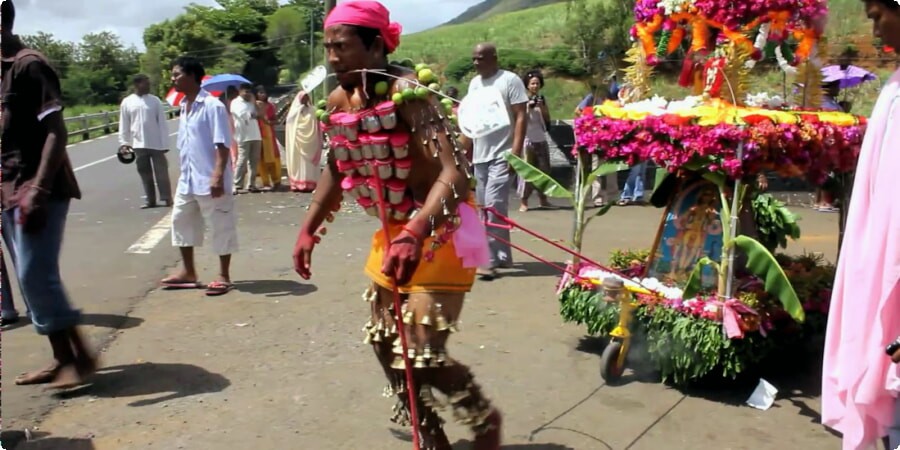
x: 426, y: 352
x: 411, y: 353
x: 453, y: 328
x: 408, y: 317
x: 441, y: 323
x: 368, y: 339
x: 380, y: 326
x: 426, y: 320
x: 441, y: 357
x: 376, y: 337
x: 420, y: 362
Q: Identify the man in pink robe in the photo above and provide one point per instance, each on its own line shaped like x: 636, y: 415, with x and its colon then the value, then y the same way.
x: 860, y: 382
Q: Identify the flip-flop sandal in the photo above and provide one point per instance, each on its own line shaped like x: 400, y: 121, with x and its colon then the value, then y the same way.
x: 217, y: 288
x: 173, y: 284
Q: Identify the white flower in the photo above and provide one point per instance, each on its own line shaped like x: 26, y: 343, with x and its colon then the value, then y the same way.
x: 764, y: 100
x: 674, y: 6
x: 655, y: 105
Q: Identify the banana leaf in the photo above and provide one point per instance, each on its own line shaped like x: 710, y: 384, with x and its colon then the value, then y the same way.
x: 762, y: 263
x: 604, y: 170
x: 541, y: 181
x: 694, y: 283
x: 602, y: 212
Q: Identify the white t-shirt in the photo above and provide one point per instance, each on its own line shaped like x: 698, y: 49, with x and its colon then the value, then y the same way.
x: 493, y: 146
x: 142, y: 123
x: 246, y: 127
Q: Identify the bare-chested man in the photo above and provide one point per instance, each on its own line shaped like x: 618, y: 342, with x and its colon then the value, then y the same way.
x: 407, y: 152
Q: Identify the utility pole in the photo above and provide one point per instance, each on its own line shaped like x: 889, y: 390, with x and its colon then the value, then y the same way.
x: 330, y: 82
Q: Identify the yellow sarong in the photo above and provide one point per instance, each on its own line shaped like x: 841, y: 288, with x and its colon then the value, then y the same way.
x: 445, y: 273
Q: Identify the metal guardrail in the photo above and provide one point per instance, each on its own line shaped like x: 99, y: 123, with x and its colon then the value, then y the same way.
x: 106, y: 121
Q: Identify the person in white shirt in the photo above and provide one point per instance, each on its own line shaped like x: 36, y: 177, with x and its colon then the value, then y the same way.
x: 143, y: 130
x: 206, y: 182
x: 492, y: 172
x: 248, y: 137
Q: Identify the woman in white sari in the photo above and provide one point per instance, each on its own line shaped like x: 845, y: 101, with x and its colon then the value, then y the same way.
x: 303, y: 145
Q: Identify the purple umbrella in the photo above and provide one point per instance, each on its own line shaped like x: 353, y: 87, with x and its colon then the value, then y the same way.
x: 850, y: 77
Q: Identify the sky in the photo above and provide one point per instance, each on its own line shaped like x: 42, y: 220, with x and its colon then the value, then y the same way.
x: 71, y: 19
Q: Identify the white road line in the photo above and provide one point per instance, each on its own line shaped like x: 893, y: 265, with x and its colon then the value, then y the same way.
x: 152, y: 237
x: 99, y: 161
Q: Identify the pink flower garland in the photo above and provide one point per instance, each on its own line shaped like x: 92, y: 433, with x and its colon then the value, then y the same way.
x: 809, y: 148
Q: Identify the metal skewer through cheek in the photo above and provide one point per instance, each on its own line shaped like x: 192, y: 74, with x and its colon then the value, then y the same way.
x: 401, y: 328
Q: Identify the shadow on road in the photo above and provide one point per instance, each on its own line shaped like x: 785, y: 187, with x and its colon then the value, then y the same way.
x: 275, y: 288
x: 16, y: 440
x: 466, y: 444
x: 170, y: 381
x: 114, y: 321
x: 532, y: 269
x: 111, y: 321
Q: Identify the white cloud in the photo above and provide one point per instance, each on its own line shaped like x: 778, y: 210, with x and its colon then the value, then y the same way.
x: 71, y: 19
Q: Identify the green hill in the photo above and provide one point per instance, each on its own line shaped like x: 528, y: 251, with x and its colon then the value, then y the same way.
x: 490, y: 8
x: 532, y: 38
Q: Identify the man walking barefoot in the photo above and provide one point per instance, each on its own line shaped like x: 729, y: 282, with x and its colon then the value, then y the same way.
x: 143, y: 129
x: 38, y: 184
x: 206, y: 182
x: 436, y: 239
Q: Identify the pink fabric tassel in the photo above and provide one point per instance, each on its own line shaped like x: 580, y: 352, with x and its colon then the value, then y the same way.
x: 859, y: 382
x: 470, y: 239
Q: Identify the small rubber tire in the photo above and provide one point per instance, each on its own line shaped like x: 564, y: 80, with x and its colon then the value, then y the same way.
x: 609, y: 363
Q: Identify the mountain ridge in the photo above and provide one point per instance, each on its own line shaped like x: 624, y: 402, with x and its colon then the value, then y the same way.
x: 490, y: 8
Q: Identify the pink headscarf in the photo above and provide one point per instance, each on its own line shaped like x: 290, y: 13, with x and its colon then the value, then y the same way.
x: 369, y: 14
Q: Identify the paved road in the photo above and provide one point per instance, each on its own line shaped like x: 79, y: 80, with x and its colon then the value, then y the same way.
x: 279, y: 363
x: 190, y: 372
x: 101, y: 277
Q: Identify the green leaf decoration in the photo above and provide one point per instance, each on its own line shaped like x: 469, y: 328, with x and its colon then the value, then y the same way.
x: 602, y: 212
x: 604, y: 170
x: 715, y: 178
x: 763, y: 264
x: 661, y: 174
x: 541, y: 181
x: 694, y: 285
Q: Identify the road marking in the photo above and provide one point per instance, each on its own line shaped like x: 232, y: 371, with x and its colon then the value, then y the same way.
x: 152, y: 237
x: 99, y: 161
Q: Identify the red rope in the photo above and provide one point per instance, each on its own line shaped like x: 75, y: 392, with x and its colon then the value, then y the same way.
x: 401, y: 329
x: 511, y: 224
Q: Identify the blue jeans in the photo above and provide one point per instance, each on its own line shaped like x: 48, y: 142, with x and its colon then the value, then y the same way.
x: 37, y: 267
x: 6, y: 297
x: 894, y: 429
x: 634, y: 186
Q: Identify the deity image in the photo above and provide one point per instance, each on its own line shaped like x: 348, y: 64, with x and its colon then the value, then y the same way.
x: 693, y: 230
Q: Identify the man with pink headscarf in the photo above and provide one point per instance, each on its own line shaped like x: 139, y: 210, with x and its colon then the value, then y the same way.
x: 434, y: 241
x: 860, y: 382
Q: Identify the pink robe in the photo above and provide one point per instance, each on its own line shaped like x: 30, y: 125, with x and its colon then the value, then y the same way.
x: 859, y: 382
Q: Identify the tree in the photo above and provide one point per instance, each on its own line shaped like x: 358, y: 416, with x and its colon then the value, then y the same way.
x: 60, y: 53
x: 599, y: 27
x: 288, y: 32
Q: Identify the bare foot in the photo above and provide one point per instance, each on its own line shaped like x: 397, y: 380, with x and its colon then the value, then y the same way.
x: 68, y: 376
x: 490, y: 438
x: 42, y: 376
